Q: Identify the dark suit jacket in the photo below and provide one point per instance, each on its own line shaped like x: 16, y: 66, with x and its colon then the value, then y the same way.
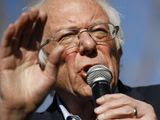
x: 149, y: 94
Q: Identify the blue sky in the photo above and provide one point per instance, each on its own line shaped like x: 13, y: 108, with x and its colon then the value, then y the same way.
x: 140, y: 61
x: 140, y: 64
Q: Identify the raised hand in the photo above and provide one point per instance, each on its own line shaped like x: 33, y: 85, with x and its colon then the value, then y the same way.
x: 23, y: 84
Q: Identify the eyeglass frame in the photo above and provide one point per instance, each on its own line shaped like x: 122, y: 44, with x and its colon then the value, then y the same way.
x: 113, y: 33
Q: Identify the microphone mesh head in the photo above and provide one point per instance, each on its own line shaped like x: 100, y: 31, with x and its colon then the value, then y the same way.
x: 98, y: 73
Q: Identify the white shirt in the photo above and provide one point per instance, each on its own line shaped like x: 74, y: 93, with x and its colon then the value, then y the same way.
x: 65, y: 112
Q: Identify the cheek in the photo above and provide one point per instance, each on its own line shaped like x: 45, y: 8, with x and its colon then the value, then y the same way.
x: 70, y: 64
x: 65, y: 72
x: 110, y: 55
x: 108, y: 49
x: 67, y: 68
x: 62, y: 77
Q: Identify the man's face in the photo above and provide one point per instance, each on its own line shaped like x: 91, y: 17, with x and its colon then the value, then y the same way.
x: 78, y: 59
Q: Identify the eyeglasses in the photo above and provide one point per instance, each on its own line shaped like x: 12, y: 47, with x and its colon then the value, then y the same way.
x: 69, y: 38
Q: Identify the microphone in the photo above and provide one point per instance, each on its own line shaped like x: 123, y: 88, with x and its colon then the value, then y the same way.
x: 99, y: 78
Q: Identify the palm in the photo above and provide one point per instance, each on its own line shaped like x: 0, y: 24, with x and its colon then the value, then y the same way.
x: 22, y: 75
x: 22, y: 82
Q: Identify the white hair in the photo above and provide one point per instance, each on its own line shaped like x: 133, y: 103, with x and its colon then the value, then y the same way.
x: 114, y: 18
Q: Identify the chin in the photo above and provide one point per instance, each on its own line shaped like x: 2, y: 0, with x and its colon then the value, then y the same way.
x: 84, y: 92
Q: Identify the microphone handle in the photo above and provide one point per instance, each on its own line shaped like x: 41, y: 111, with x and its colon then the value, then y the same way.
x: 99, y: 89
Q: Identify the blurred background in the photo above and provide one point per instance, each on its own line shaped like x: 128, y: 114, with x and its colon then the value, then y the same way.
x: 140, y: 64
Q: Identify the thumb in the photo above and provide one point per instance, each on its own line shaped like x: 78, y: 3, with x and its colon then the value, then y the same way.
x: 53, y: 61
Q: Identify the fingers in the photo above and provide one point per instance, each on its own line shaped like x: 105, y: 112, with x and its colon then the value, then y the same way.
x: 20, y: 25
x: 33, y: 31
x: 115, y: 106
x: 121, y: 112
x: 33, y: 16
x: 7, y: 35
x: 120, y: 106
x: 27, y: 29
x: 14, y: 31
x: 38, y: 29
x: 111, y: 97
x: 7, y: 40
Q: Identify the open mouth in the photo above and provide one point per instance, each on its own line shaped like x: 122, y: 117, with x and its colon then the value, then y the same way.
x: 86, y: 68
x: 84, y: 71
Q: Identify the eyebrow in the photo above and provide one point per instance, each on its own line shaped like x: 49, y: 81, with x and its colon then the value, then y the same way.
x: 75, y: 28
x: 66, y: 28
x: 98, y: 23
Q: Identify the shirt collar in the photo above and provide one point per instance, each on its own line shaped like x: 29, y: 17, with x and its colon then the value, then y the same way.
x: 65, y: 112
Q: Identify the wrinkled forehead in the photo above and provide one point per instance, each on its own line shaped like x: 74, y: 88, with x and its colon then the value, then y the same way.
x: 68, y: 13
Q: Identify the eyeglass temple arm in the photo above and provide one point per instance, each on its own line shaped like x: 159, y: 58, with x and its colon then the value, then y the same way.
x: 44, y: 44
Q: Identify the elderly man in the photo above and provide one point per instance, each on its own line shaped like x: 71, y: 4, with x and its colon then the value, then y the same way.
x: 51, y: 47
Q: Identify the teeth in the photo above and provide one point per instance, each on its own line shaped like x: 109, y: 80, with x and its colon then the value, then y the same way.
x: 85, y: 74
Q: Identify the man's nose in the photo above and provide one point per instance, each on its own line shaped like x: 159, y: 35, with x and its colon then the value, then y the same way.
x: 87, y: 44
